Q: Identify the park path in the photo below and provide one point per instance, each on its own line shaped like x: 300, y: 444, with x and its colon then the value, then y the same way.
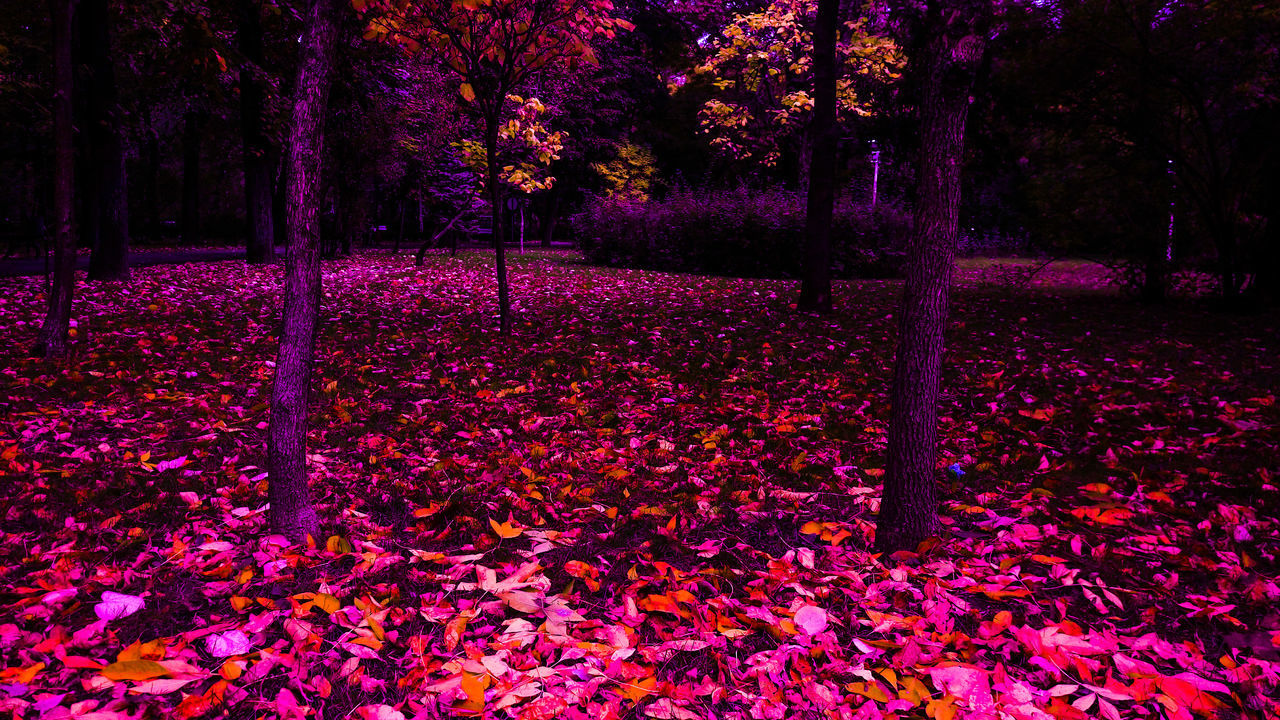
x: 21, y: 267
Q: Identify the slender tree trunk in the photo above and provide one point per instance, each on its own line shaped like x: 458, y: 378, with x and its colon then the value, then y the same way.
x: 151, y: 181
x: 192, y: 129
x: 428, y: 242
x: 53, y: 338
x: 279, y: 213
x: 258, y: 161
x: 551, y: 215
x: 110, y: 258
x: 399, y: 228
x: 495, y: 203
x: 909, y: 512
x: 815, y: 288
x: 291, y: 511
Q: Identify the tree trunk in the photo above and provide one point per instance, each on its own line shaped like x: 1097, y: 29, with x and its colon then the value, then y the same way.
x: 908, y: 511
x: 551, y: 215
x: 399, y: 227
x: 53, y: 337
x: 258, y: 162
x: 428, y: 242
x: 495, y: 207
x: 110, y: 258
x: 815, y: 288
x: 291, y: 511
x: 151, y: 181
x: 279, y: 212
x: 192, y: 129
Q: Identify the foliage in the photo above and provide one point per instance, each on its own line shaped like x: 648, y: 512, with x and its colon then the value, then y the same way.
x: 494, y: 46
x: 523, y: 142
x: 1122, y: 112
x: 755, y: 233
x: 762, y: 64
x: 629, y: 176
x: 659, y: 504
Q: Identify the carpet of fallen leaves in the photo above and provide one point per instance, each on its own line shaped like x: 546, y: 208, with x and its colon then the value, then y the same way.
x: 654, y: 501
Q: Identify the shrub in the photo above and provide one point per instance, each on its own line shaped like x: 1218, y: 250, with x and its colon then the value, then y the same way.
x: 752, y: 233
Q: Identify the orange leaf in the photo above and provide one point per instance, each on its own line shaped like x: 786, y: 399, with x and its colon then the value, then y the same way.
x: 453, y: 631
x: 588, y: 574
x: 27, y: 674
x: 659, y: 603
x: 75, y: 661
x: 474, y: 688
x: 506, y: 529
x: 640, y: 689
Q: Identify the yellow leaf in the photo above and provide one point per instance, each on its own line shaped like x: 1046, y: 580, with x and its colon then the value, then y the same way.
x: 871, y: 690
x: 231, y: 669
x: 811, y: 528
x: 134, y: 670
x: 338, y: 545
x: 942, y: 708
x: 327, y: 602
x: 468, y: 92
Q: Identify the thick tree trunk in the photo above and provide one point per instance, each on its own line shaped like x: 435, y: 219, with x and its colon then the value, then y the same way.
x: 908, y: 512
x: 52, y: 340
x: 192, y: 130
x: 291, y: 511
x: 815, y: 288
x: 110, y: 258
x: 495, y: 207
x: 259, y: 165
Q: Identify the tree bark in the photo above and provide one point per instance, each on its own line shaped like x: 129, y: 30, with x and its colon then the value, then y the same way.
x: 53, y: 338
x: 551, y: 215
x: 495, y: 207
x: 259, y: 165
x: 292, y: 513
x: 110, y: 258
x: 192, y: 128
x: 427, y: 243
x: 948, y: 61
x: 151, y: 180
x: 815, y: 287
x: 279, y: 211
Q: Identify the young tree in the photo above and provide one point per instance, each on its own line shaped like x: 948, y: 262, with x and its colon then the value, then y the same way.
x: 291, y: 511
x: 52, y: 341
x: 951, y: 44
x: 815, y: 287
x: 494, y: 47
x: 762, y: 65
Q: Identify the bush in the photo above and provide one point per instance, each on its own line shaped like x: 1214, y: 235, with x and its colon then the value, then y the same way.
x: 744, y: 232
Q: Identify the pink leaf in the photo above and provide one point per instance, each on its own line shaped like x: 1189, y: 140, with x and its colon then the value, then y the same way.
x: 811, y: 619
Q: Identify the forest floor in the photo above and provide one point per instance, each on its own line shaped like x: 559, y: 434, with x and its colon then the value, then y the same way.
x: 655, y: 500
